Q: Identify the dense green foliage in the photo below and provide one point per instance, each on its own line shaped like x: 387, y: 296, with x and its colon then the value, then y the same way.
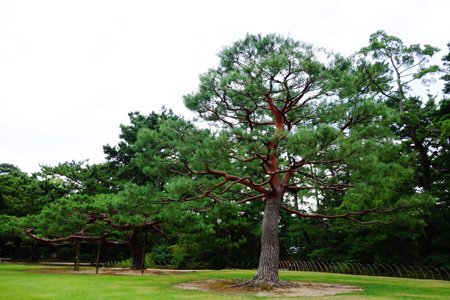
x: 352, y: 133
x: 20, y: 194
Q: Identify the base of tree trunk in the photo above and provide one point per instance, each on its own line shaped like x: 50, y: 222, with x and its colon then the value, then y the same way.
x: 261, y: 284
x: 136, y: 266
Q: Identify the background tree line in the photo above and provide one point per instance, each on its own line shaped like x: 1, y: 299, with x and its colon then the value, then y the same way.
x: 371, y: 142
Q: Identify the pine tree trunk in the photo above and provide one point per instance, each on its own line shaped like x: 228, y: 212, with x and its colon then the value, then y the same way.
x: 77, y: 257
x: 136, y: 251
x: 267, y: 273
x: 425, y: 166
x: 97, y: 258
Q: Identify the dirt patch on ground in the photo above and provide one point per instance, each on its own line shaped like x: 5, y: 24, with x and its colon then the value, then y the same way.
x: 113, y: 271
x: 292, y: 289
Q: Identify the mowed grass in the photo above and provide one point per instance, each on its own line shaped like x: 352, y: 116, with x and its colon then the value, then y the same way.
x: 26, y: 282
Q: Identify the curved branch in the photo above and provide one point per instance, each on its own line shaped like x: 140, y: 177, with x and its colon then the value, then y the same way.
x: 242, y: 180
x: 74, y: 238
x: 349, y: 216
x: 248, y: 199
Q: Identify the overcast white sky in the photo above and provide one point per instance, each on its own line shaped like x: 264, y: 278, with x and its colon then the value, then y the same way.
x: 70, y: 71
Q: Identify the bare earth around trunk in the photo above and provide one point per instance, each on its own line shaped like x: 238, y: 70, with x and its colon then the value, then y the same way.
x: 292, y: 289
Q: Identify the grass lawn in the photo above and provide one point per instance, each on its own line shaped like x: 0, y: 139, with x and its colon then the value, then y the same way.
x: 25, y: 282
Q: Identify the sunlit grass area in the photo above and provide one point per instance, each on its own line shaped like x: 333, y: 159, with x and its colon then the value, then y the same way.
x: 38, y: 282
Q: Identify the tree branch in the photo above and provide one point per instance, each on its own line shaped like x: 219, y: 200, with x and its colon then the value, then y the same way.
x: 348, y: 216
x: 74, y: 238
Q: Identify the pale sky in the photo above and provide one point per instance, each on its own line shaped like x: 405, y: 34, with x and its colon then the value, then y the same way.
x: 70, y: 71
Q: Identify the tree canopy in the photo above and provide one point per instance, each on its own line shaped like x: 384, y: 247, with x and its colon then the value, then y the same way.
x: 291, y: 125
